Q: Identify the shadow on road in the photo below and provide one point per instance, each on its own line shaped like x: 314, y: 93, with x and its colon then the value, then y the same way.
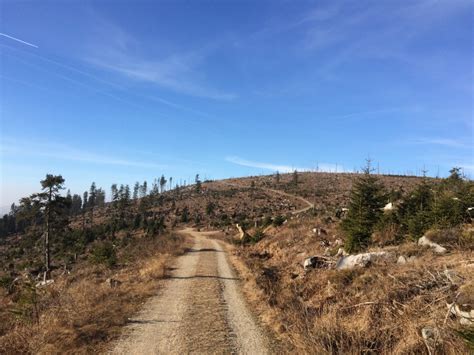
x: 203, y: 250
x: 203, y: 277
x: 151, y: 321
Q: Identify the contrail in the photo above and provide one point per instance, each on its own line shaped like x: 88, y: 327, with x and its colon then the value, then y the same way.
x: 18, y: 40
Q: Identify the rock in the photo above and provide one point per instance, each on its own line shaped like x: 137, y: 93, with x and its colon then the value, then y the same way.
x: 338, y: 242
x: 113, y: 283
x: 388, y: 207
x: 453, y: 277
x: 309, y: 262
x: 464, y: 314
x: 430, y: 336
x: 462, y: 306
x: 316, y: 261
x: 438, y: 249
x: 362, y: 260
x: 401, y: 260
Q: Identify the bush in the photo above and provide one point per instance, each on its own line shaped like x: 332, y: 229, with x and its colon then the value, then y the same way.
x: 258, y: 235
x: 448, y: 211
x: 278, y: 220
x: 387, y: 230
x: 104, y: 253
x: 185, y: 215
x: 365, y: 210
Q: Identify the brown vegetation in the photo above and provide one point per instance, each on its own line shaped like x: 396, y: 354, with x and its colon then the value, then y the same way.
x: 87, y: 307
x: 381, y: 308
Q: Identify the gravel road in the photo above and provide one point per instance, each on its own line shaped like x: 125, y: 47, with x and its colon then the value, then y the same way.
x: 199, y: 309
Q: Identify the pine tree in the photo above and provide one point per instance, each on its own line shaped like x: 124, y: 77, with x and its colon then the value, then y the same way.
x: 100, y: 199
x: 144, y: 189
x: 365, y: 209
x: 52, y: 202
x: 162, y: 183
x: 126, y: 193
x: 154, y: 188
x: 415, y: 211
x: 198, y: 183
x: 92, y: 200
x: 114, y: 192
x: 136, y: 187
x: 277, y: 177
x: 76, y: 204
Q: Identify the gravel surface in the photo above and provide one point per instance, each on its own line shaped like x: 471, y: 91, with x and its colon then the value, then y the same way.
x: 199, y: 309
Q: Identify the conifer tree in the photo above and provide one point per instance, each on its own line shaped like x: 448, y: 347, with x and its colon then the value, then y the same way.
x: 52, y: 202
x: 92, y: 200
x: 154, y: 188
x: 114, y: 192
x: 136, y: 187
x: 365, y: 209
x: 162, y: 183
x: 143, y: 189
x: 100, y: 199
x: 198, y: 183
x: 76, y: 204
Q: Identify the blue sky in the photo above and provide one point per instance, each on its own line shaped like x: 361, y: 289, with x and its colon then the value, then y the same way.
x: 120, y: 91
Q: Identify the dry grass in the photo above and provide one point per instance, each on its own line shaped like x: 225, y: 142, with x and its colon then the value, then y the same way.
x: 81, y: 312
x: 380, y: 309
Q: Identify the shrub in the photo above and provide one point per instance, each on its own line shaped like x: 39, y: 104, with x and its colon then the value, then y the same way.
x: 210, y: 207
x: 104, y: 253
x: 365, y: 209
x: 387, y: 230
x: 278, y: 220
x: 258, y: 235
x: 185, y: 215
x: 448, y: 211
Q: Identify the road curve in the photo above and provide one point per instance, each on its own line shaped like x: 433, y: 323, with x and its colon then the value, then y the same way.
x: 279, y: 192
x: 200, y: 309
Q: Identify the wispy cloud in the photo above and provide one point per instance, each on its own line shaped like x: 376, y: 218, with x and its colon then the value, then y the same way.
x: 11, y: 147
x: 283, y: 168
x: 94, y: 78
x: 176, y: 72
x: 181, y: 72
x: 18, y: 40
x: 445, y: 142
x: 346, y: 32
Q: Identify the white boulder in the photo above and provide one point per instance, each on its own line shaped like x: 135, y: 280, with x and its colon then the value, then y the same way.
x: 438, y: 249
x: 362, y: 260
x: 462, y: 312
x: 309, y: 262
x: 401, y: 260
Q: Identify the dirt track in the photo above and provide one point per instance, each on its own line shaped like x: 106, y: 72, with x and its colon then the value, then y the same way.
x: 200, y: 309
x: 309, y: 204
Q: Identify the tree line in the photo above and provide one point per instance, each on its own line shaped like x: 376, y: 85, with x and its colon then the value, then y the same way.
x: 29, y: 210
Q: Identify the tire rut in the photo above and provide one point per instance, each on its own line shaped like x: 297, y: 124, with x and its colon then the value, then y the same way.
x: 199, y: 309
